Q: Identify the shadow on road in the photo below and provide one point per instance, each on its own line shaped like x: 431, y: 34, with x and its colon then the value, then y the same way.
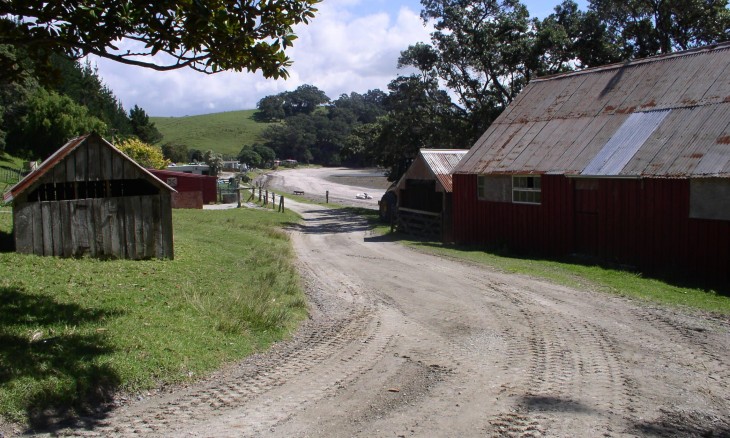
x: 331, y: 221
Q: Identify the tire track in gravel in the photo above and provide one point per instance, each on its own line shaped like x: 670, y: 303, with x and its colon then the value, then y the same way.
x: 568, y: 368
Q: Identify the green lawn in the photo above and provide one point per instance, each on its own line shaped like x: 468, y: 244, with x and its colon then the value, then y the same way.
x: 73, y: 331
x: 225, y: 133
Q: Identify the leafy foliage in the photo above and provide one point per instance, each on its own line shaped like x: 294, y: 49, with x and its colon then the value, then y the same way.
x: 142, y: 127
x: 175, y: 152
x: 146, y: 155
x: 205, y: 35
x: 214, y: 160
x: 47, y: 122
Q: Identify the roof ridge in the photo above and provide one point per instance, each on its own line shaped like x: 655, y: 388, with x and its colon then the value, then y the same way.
x: 639, y: 61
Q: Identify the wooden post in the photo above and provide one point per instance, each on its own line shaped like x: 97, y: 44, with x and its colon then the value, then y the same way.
x: 260, y: 190
x: 273, y: 200
x: 281, y: 204
x: 266, y: 198
x: 327, y: 197
x: 238, y: 197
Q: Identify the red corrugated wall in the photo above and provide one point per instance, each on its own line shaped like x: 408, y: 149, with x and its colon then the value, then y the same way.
x: 643, y: 223
x: 187, y: 182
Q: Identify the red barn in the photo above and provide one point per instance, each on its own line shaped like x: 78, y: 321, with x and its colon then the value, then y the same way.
x: 628, y: 163
x: 192, y: 191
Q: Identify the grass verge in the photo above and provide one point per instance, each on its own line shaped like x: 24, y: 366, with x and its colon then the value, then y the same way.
x: 74, y: 331
x: 578, y: 275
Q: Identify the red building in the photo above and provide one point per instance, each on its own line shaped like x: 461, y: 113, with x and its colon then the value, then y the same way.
x: 629, y: 163
x: 193, y: 191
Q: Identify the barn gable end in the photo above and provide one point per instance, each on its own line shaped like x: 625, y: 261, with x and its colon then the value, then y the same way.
x: 89, y: 199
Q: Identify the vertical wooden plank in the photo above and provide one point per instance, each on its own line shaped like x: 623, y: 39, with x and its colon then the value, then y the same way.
x: 47, y: 219
x: 148, y: 226
x: 117, y: 166
x: 59, y: 174
x: 129, y: 238
x: 105, y: 163
x: 166, y: 226
x: 117, y: 241
x: 64, y: 212
x: 37, y: 225
x: 96, y: 248
x: 139, y: 220
x: 82, y: 236
x: 23, y: 227
x: 81, y: 155
x: 56, y: 230
x: 93, y: 164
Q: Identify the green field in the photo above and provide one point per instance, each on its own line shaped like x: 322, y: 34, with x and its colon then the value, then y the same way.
x: 74, y: 331
x: 224, y: 133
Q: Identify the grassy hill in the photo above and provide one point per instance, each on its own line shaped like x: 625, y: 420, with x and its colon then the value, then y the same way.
x: 224, y: 133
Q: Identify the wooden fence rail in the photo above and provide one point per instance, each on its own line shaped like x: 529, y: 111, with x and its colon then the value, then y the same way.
x: 419, y: 223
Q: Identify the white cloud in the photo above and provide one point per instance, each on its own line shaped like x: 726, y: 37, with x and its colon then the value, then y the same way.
x: 347, y: 47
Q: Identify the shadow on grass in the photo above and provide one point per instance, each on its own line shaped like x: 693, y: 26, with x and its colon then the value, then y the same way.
x: 66, y: 379
x: 674, y: 277
x: 7, y: 242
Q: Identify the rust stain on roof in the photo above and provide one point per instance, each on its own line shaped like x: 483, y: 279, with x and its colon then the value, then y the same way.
x: 650, y: 104
x: 725, y: 139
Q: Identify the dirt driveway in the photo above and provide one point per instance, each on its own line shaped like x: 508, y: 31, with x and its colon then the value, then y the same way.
x: 403, y: 344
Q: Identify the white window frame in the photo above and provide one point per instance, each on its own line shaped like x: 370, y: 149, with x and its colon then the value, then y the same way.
x: 526, y: 189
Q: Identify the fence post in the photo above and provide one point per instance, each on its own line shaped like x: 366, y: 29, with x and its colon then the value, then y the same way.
x: 327, y: 197
x: 281, y: 204
x: 266, y: 198
x: 260, y: 190
x: 238, y: 197
x: 273, y: 200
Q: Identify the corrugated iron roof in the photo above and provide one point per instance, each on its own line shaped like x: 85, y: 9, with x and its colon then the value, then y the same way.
x: 442, y: 162
x: 663, y: 116
x: 58, y: 156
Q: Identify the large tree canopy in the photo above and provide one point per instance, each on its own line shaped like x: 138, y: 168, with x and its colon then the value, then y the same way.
x: 205, y: 35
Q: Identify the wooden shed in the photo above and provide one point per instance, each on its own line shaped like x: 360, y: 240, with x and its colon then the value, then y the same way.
x: 89, y: 199
x: 424, y: 194
x: 628, y: 163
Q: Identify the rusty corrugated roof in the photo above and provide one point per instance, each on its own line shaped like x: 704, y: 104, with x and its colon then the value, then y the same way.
x: 666, y: 116
x: 442, y: 162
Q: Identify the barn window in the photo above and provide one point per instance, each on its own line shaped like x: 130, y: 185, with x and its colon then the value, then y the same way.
x: 494, y: 188
x: 526, y: 189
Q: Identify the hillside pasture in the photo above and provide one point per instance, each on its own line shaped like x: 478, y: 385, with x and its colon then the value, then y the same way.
x: 225, y: 133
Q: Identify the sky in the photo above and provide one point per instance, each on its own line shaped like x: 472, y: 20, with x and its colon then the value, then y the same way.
x: 350, y: 45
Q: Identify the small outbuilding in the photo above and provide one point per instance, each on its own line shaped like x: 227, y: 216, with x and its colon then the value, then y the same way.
x: 424, y: 194
x: 192, y: 190
x: 628, y: 163
x: 89, y: 199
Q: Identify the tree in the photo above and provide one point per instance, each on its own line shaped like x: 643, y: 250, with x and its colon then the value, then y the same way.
x: 46, y: 122
x: 142, y: 127
x: 304, y: 100
x: 249, y: 157
x: 640, y: 28
x: 270, y: 108
x: 81, y: 82
x: 205, y: 35
x: 267, y: 154
x: 214, y: 161
x: 175, y: 152
x: 146, y: 155
x: 480, y: 49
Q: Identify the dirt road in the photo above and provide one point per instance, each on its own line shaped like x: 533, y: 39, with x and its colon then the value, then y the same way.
x: 404, y: 344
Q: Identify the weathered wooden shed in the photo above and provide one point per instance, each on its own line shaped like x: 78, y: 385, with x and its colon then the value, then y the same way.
x: 424, y: 193
x: 89, y: 198
x: 628, y: 163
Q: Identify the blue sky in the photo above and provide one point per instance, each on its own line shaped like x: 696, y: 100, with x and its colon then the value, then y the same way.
x: 351, y: 45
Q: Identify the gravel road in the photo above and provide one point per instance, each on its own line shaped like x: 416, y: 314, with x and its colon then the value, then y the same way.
x: 403, y: 344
